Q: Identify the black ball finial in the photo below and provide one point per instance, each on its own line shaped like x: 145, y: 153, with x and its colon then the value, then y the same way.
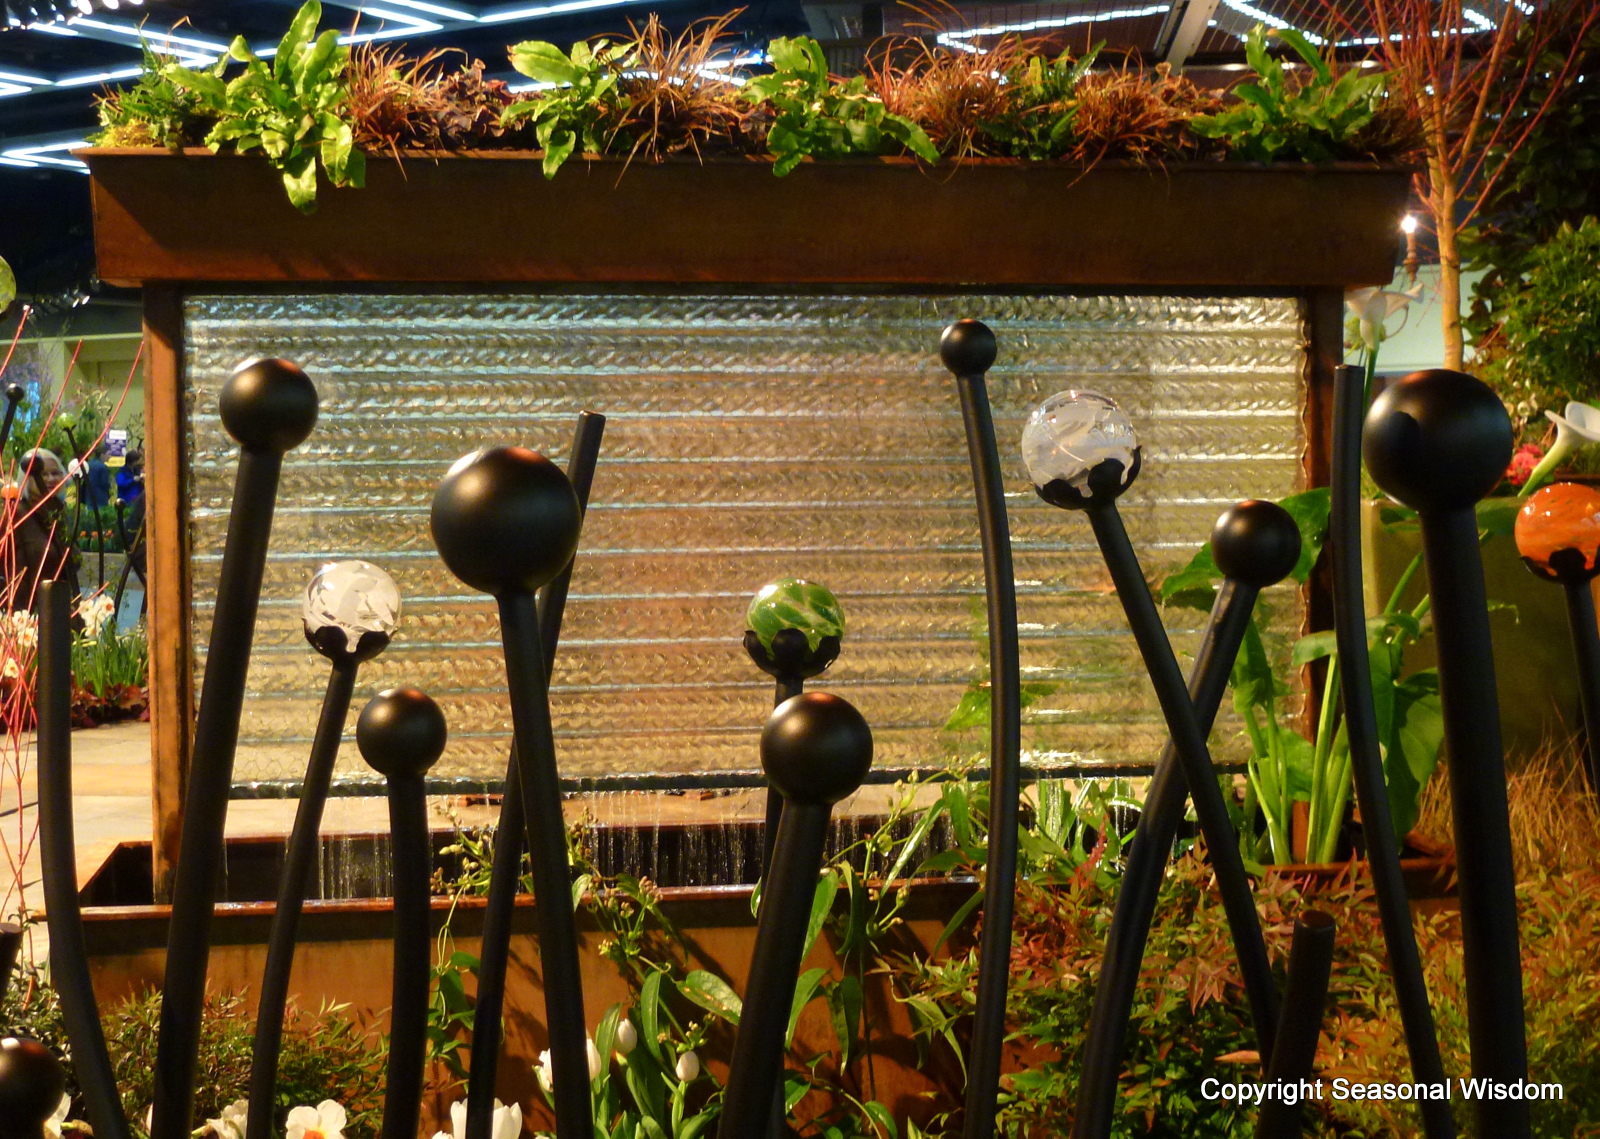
x: 268, y: 405
x: 968, y: 348
x: 505, y: 518
x: 792, y: 657
x: 1437, y: 440
x: 1256, y: 542
x: 401, y: 732
x: 816, y: 748
x: 15, y: 393
x: 32, y: 1082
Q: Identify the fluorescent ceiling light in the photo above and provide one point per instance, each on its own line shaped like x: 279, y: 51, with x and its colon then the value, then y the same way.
x: 559, y: 9
x: 136, y: 34
x: 99, y: 77
x: 1269, y: 19
x: 433, y: 9
x: 20, y: 77
x: 952, y: 39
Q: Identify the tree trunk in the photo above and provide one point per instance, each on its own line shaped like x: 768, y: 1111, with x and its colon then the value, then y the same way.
x: 1444, y: 222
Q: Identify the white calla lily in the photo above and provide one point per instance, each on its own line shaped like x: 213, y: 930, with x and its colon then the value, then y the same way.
x: 1372, y: 308
x: 1575, y: 430
x: 506, y: 1122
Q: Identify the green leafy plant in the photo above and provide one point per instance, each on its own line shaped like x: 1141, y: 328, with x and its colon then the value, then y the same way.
x: 1550, y: 328
x: 154, y: 111
x: 292, y: 109
x: 817, y: 116
x: 1279, y: 117
x: 584, y: 105
x: 106, y: 658
x: 1043, y: 107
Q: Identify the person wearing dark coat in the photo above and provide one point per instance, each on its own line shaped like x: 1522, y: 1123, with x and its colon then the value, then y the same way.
x: 42, y: 551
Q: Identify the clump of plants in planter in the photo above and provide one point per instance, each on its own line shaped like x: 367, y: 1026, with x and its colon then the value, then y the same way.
x: 110, y: 668
x: 649, y: 94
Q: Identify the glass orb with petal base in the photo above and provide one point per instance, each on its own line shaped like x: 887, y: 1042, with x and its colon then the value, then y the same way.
x: 351, y: 610
x: 1558, y: 532
x: 1080, y: 450
x: 793, y: 628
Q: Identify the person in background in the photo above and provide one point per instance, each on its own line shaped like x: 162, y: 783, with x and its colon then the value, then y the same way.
x: 97, y: 486
x: 130, y: 478
x: 42, y: 550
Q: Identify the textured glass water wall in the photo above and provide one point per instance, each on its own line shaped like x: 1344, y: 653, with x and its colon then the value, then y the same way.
x: 749, y: 437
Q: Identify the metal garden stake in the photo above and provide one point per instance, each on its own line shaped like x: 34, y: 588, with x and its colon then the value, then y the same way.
x: 1558, y: 536
x: 1438, y: 441
x: 816, y: 749
x: 1304, y: 998
x: 14, y: 397
x: 401, y: 734
x: 351, y: 610
x: 1366, y: 756
x: 1255, y: 544
x: 1081, y: 453
x: 506, y: 521
x: 505, y: 873
x: 269, y: 406
x: 968, y: 350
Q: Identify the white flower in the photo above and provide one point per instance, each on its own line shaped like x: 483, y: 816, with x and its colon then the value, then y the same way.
x: 1578, y: 428
x: 96, y: 611
x: 52, y: 1126
x: 325, y: 1121
x: 546, y: 1072
x: 627, y: 1036
x: 505, y: 1124
x: 596, y: 1064
x: 1373, y: 307
x: 688, y: 1067
x: 231, y: 1125
x: 24, y: 629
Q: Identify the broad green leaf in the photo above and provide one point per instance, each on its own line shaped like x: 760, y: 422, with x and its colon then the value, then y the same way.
x: 209, y: 87
x: 959, y: 918
x: 1498, y: 516
x: 312, y: 66
x: 1314, y: 646
x: 301, y: 29
x: 804, y: 990
x: 845, y: 1002
x: 300, y: 180
x: 713, y: 994
x: 882, y: 1119
x: 544, y: 62
x: 1413, y: 748
x: 1309, y: 509
x: 1302, y: 47
x: 1298, y: 756
x: 649, y: 1019
x: 557, y: 149
x: 821, y: 906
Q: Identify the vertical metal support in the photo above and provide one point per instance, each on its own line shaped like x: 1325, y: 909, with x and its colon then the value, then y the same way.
x: 1586, y: 647
x: 69, y: 956
x: 167, y: 546
x: 1439, y: 441
x: 1366, y: 757
x: 1304, y: 999
x: 10, y: 948
x: 968, y: 351
x: 270, y: 406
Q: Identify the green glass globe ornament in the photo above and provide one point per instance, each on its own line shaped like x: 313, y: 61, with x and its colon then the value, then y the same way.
x: 794, y: 628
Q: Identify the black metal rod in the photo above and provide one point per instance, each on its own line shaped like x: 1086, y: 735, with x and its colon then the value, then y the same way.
x: 505, y: 871
x: 1005, y: 767
x: 299, y: 859
x: 784, y: 687
x: 1304, y: 999
x: 14, y: 396
x: 1148, y: 855
x: 69, y: 955
x: 1194, y: 754
x: 755, y: 1074
x: 1586, y: 647
x: 1366, y: 757
x: 270, y: 406
x: 552, y: 875
x: 408, y: 1015
x: 1486, y: 874
x: 205, y: 804
x: 10, y: 948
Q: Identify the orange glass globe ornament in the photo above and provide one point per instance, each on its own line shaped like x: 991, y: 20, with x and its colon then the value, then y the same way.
x: 1558, y: 532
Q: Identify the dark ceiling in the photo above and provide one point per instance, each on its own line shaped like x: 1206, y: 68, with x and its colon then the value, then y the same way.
x: 50, y: 74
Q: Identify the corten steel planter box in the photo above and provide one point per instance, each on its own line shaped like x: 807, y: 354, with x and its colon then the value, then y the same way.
x: 344, y: 947
x: 182, y: 223
x: 493, y: 217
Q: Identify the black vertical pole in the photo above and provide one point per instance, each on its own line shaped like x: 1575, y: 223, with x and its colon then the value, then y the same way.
x: 1256, y: 544
x: 269, y: 406
x: 506, y: 521
x: 14, y: 397
x: 10, y: 947
x: 401, y: 734
x: 69, y: 956
x: 299, y: 859
x: 1366, y: 756
x: 816, y: 749
x: 968, y: 350
x: 1439, y: 441
x: 1586, y: 647
x: 784, y: 688
x: 1304, y: 998
x: 505, y: 872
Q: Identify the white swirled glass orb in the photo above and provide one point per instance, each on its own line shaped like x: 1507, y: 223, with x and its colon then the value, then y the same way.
x: 1080, y: 449
x: 354, y: 597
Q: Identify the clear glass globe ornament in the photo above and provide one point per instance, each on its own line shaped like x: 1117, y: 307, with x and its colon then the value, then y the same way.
x: 351, y: 608
x: 1080, y: 449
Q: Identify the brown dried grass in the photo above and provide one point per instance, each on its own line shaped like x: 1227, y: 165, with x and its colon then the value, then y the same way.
x: 953, y: 95
x: 1129, y: 113
x: 394, y: 100
x: 678, y: 102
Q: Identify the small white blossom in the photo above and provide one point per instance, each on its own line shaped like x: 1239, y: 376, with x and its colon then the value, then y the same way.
x: 231, y: 1124
x: 325, y: 1121
x: 627, y: 1036
x: 52, y: 1126
x: 546, y: 1072
x: 688, y: 1067
x: 505, y: 1124
x: 596, y: 1064
x: 1373, y: 307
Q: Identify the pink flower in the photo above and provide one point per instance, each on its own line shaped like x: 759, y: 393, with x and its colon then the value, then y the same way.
x: 1523, y: 463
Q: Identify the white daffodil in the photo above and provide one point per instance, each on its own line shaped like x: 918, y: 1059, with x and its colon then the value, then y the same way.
x: 52, y: 1126
x: 232, y: 1123
x: 627, y: 1038
x: 325, y: 1121
x: 506, y: 1122
x: 596, y: 1064
x: 96, y: 611
x: 546, y: 1072
x: 1577, y: 429
x: 1373, y: 307
x: 688, y: 1067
